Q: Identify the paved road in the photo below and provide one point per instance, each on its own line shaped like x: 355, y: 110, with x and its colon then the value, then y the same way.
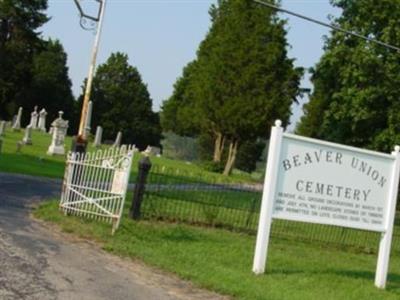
x: 37, y: 262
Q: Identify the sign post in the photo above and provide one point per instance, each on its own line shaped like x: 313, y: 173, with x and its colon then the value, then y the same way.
x: 314, y: 181
x: 386, y: 237
x: 264, y: 224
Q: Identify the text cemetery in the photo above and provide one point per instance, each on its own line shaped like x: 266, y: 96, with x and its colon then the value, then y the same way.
x: 314, y: 181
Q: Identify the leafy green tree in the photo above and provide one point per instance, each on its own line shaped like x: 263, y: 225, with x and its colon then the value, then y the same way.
x: 243, y: 79
x: 178, y: 113
x: 121, y: 102
x: 249, y: 153
x: 357, y: 83
x: 51, y: 86
x: 19, y: 40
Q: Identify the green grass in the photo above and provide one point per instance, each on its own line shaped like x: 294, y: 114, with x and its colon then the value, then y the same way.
x: 221, y: 261
x: 33, y: 160
x: 239, y: 211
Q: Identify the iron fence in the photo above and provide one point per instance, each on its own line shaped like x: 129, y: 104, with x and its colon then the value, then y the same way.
x: 179, y: 196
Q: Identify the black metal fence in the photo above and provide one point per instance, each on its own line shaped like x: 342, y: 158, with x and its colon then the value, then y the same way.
x: 179, y: 196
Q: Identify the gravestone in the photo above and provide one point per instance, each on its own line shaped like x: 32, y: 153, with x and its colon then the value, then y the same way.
x: 88, y: 119
x: 27, y: 140
x: 42, y: 120
x: 17, y: 122
x: 152, y: 150
x: 99, y: 134
x: 34, y: 118
x: 117, y: 142
x: 2, y: 128
x: 59, y: 127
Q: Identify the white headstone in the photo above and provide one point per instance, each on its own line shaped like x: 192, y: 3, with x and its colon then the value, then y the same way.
x: 34, y: 118
x: 42, y: 120
x: 60, y: 127
x: 99, y: 134
x: 17, y: 122
x: 27, y: 140
x: 117, y: 142
x: 2, y: 128
x: 88, y: 119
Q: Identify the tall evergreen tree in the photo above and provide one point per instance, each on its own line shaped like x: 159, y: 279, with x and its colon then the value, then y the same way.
x: 121, y: 102
x: 357, y: 83
x: 51, y: 86
x: 243, y: 79
x: 178, y: 112
x: 19, y: 40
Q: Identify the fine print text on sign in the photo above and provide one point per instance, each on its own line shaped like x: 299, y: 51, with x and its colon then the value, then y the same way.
x: 330, y: 184
x: 315, y: 181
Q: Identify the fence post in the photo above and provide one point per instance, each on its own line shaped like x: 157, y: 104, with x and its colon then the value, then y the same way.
x: 144, y: 168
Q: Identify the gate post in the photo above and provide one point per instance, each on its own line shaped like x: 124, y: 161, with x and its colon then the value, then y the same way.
x: 144, y: 168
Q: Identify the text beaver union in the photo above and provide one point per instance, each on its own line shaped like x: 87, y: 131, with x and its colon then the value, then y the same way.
x: 333, y: 157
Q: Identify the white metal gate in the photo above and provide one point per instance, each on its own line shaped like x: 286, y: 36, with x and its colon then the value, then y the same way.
x: 95, y: 184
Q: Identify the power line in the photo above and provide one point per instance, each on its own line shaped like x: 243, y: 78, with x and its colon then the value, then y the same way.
x: 337, y: 28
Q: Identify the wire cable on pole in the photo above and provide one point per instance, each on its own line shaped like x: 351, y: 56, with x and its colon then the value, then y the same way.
x: 337, y: 28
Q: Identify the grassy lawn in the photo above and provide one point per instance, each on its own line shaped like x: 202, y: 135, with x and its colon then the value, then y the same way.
x: 33, y: 160
x: 239, y: 210
x: 221, y: 261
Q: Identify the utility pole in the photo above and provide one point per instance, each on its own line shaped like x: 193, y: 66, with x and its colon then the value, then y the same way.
x: 80, y: 141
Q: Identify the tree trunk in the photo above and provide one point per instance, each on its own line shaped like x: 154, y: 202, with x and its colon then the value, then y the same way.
x: 218, y: 147
x: 230, y: 162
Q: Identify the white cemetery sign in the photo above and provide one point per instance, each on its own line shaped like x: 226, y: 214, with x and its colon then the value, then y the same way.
x: 315, y: 181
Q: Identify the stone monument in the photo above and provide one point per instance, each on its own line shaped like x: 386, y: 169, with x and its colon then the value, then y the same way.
x: 34, y: 118
x: 2, y: 128
x: 27, y: 140
x: 17, y: 123
x: 99, y: 134
x: 117, y: 142
x: 88, y: 119
x: 42, y: 120
x: 60, y: 127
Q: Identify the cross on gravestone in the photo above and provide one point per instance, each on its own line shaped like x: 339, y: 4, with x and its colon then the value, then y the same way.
x: 17, y: 122
x: 98, y: 137
x: 34, y: 118
x: 27, y: 140
x: 117, y: 142
x: 59, y: 127
x: 42, y: 120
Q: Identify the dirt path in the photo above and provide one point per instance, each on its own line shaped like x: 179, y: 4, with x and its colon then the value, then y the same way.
x: 39, y: 262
